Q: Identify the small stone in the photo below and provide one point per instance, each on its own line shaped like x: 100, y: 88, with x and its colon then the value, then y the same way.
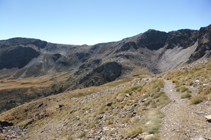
x: 127, y: 95
x: 109, y: 104
x: 40, y: 105
x: 150, y: 136
x: 208, y: 117
x: 105, y: 128
x: 60, y: 106
x: 145, y: 100
x: 136, y: 104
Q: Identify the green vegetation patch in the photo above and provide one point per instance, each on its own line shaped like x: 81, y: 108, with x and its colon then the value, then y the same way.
x: 186, y: 95
x: 81, y: 135
x: 132, y: 89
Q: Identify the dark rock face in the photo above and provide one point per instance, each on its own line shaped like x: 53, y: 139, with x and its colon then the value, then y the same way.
x: 102, y: 74
x: 64, y: 63
x: 204, y: 44
x: 82, y: 55
x: 56, y: 56
x: 152, y: 39
x: 100, y: 69
x: 17, y: 57
x: 40, y: 44
x: 19, y: 40
x: 184, y: 38
x: 4, y: 46
x: 127, y: 56
x: 127, y: 46
x: 26, y: 41
x: 88, y: 66
x: 112, y: 70
x: 86, y: 77
x: 94, y: 48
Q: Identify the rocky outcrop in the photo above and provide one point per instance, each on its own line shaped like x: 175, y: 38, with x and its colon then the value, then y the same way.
x: 112, y: 70
x: 127, y: 46
x: 152, y: 39
x: 56, y: 56
x: 204, y: 44
x: 17, y: 57
x: 40, y: 44
x: 85, y: 67
x: 101, y: 74
x: 184, y: 38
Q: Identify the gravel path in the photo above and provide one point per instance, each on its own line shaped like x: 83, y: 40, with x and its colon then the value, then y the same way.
x: 184, y: 121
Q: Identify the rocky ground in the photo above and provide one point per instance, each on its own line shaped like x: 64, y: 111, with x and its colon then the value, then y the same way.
x: 121, y: 112
x: 184, y: 121
x: 129, y: 111
x: 12, y: 132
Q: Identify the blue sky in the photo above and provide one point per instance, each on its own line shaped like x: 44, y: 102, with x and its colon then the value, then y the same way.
x: 96, y: 21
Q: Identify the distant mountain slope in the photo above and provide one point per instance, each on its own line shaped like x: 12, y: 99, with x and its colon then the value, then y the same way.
x: 83, y: 66
x: 150, y: 49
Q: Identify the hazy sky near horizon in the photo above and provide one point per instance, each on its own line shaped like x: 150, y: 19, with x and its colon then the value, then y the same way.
x: 97, y: 21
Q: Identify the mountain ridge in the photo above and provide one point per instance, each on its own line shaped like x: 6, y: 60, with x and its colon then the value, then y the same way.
x: 108, y: 90
x: 84, y: 66
x: 151, y: 39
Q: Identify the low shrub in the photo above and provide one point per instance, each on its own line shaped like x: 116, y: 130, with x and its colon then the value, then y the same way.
x: 81, y: 135
x: 196, y: 100
x: 186, y: 95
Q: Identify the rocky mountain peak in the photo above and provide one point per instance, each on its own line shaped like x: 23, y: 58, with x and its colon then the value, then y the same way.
x: 152, y: 39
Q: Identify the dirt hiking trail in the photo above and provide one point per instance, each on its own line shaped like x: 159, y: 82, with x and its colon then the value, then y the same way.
x: 183, y: 121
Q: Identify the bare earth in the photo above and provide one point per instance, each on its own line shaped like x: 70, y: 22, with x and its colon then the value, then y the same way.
x: 184, y: 121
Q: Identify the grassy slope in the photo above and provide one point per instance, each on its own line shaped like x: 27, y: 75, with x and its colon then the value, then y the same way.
x: 192, y: 80
x: 125, y: 110
x: 16, y: 92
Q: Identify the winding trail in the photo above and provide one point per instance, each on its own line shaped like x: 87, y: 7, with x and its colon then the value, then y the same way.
x: 183, y: 121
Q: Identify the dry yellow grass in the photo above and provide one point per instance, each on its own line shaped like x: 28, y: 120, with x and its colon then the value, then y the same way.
x: 196, y: 100
x: 43, y: 81
x: 132, y: 130
x: 197, y: 75
x: 77, y: 111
